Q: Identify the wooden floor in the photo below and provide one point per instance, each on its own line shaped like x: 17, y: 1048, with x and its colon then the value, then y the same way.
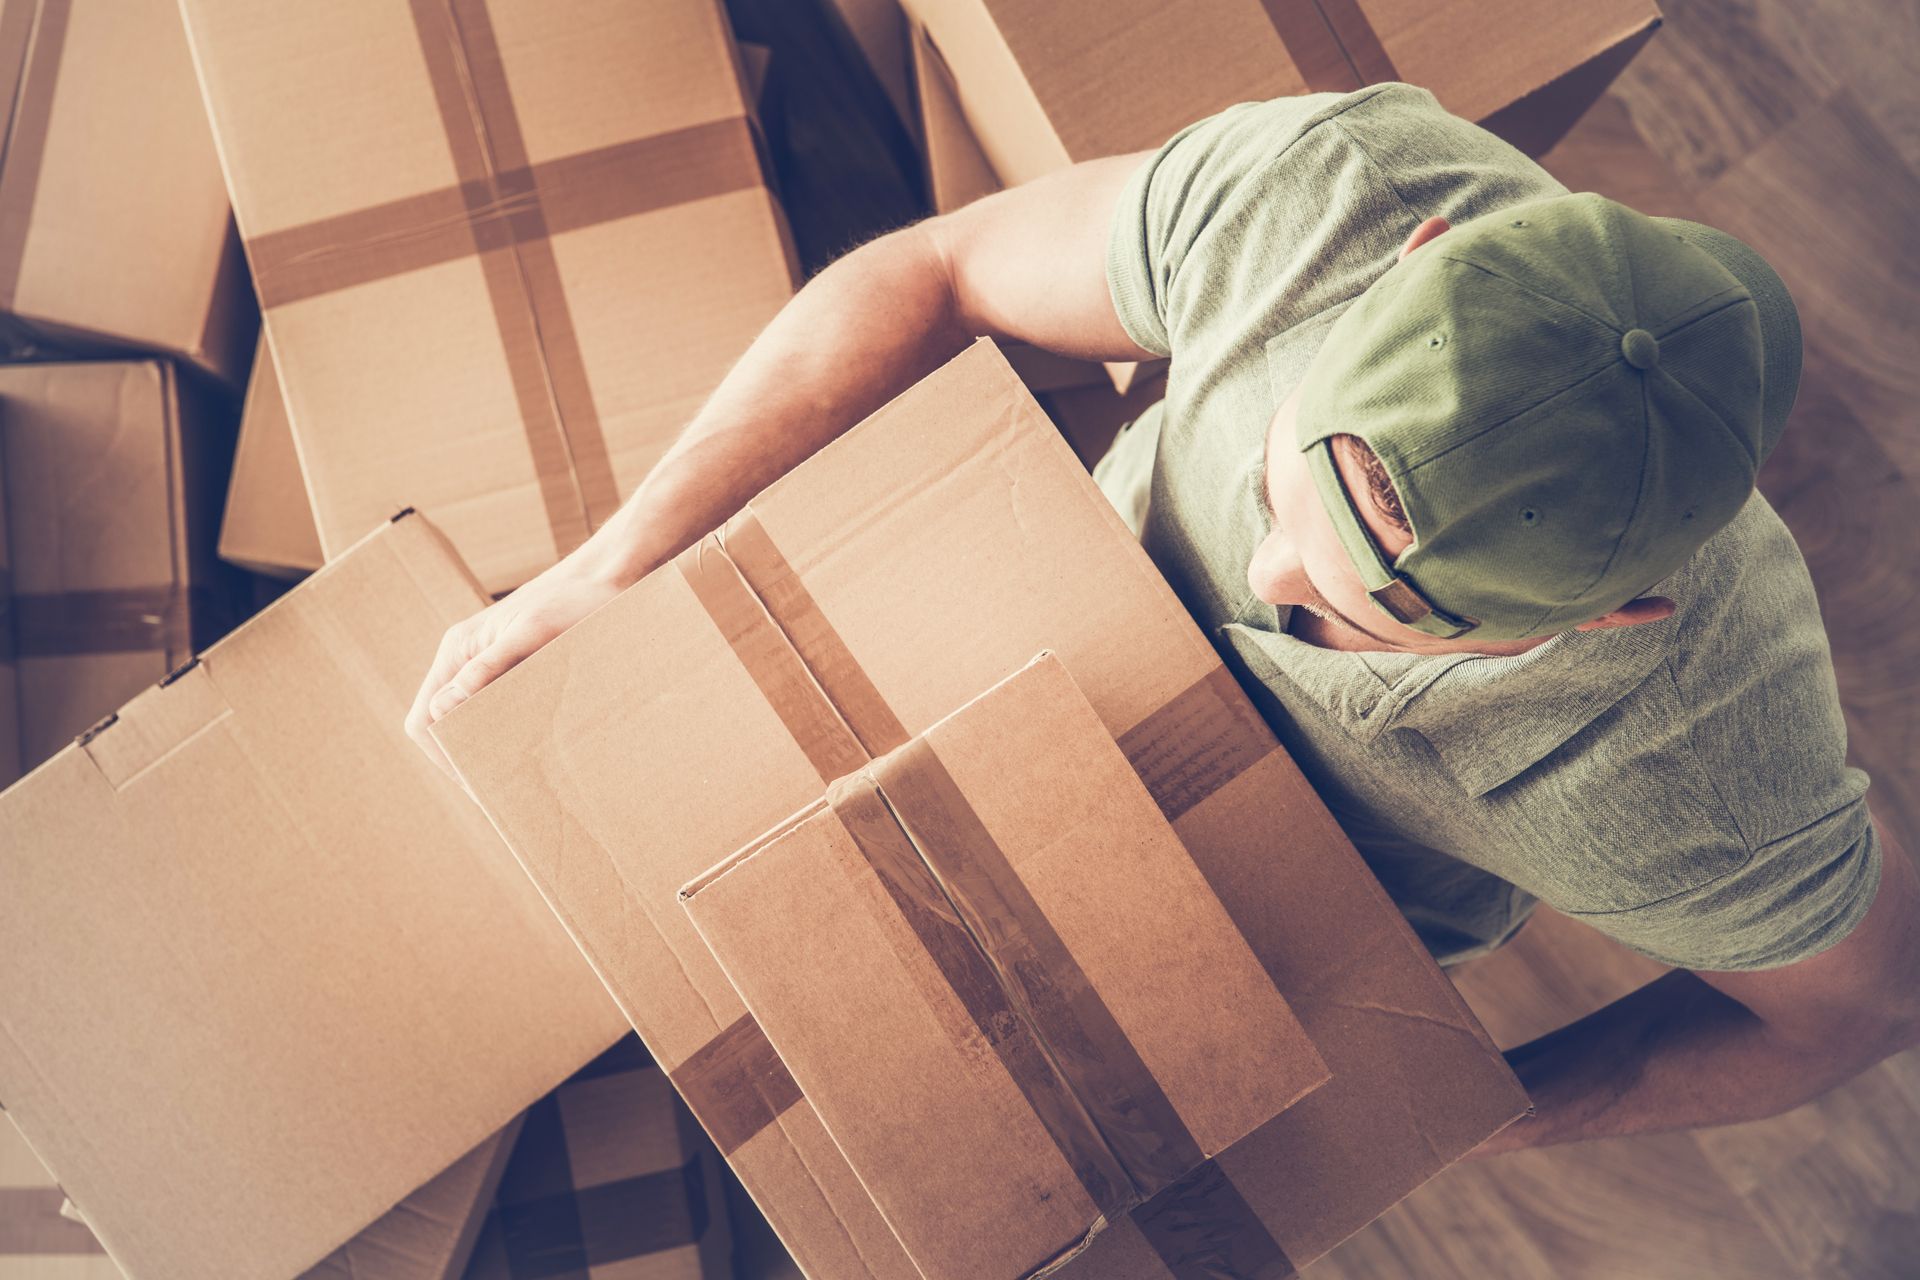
x: 1795, y: 125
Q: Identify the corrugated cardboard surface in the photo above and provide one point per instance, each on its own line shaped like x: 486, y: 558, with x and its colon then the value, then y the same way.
x: 427, y: 1236
x: 843, y: 579
x: 112, y: 474
x: 610, y: 1178
x: 1047, y: 85
x: 266, y: 963
x: 504, y: 257
x: 1005, y: 878
x: 114, y: 224
x: 268, y: 525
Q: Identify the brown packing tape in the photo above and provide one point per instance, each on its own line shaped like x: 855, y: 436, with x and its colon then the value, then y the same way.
x: 763, y: 650
x: 127, y: 620
x: 1038, y: 971
x: 1361, y: 43
x: 1309, y: 40
x: 451, y: 68
x: 575, y: 191
x: 1197, y: 742
x: 835, y: 669
x: 736, y: 1085
x: 918, y: 896
x: 32, y: 36
x: 1202, y: 1228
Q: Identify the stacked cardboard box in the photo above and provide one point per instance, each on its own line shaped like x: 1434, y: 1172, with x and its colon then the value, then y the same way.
x: 827, y: 624
x: 611, y: 1177
x: 114, y: 227
x: 1047, y: 85
x: 1005, y: 878
x: 268, y: 526
x: 265, y: 962
x: 504, y: 251
x: 112, y: 475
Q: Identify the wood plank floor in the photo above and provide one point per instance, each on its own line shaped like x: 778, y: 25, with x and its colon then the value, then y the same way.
x: 1795, y: 125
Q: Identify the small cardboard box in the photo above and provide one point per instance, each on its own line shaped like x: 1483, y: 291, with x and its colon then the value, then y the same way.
x: 427, y: 1236
x: 915, y: 562
x: 112, y: 475
x: 266, y: 964
x: 612, y: 1177
x: 1004, y: 879
x: 268, y: 525
x: 1048, y: 85
x: 505, y: 251
x: 114, y: 225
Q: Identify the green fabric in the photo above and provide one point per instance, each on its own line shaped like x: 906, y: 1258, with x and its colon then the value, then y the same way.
x: 1567, y: 396
x: 1681, y: 785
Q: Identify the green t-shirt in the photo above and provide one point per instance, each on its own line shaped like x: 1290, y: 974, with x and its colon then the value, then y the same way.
x: 1680, y: 785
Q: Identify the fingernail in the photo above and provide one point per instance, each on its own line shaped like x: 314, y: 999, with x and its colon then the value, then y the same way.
x: 446, y: 700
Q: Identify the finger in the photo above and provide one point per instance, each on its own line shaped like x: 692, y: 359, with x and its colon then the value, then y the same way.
x: 476, y: 674
x: 448, y: 659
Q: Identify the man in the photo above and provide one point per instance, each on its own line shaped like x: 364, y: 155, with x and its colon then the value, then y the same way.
x: 1457, y: 469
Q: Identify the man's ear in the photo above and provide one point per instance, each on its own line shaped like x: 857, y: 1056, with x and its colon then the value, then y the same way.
x: 1424, y: 232
x: 1632, y: 614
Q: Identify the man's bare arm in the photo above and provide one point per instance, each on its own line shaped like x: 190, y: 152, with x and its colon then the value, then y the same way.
x: 1026, y: 263
x: 1696, y: 1049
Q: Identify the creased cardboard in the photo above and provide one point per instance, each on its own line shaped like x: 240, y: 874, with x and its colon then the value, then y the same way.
x: 265, y: 963
x: 268, y: 525
x: 1004, y: 879
x: 1048, y: 85
x: 504, y: 254
x: 916, y: 561
x: 114, y: 226
x: 113, y: 473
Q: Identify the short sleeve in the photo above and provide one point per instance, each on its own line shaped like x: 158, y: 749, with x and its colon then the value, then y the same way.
x: 1790, y: 900
x: 1190, y: 187
x: 1269, y: 214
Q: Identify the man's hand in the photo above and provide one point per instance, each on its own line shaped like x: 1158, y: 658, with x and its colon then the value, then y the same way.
x: 478, y: 651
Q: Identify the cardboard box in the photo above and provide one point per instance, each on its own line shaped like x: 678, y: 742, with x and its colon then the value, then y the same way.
x: 826, y: 624
x: 1004, y: 880
x: 1048, y: 85
x: 611, y: 1178
x: 265, y: 962
x: 1091, y: 416
x: 114, y: 226
x: 427, y: 1236
x: 113, y: 474
x: 879, y: 28
x: 504, y: 253
x: 268, y: 525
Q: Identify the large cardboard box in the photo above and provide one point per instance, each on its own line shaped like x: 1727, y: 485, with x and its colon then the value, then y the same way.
x: 910, y: 565
x: 1045, y: 85
x: 505, y: 250
x: 265, y: 963
x: 268, y: 525
x: 112, y: 475
x: 612, y: 1177
x: 1004, y: 879
x: 114, y: 226
x: 427, y: 1236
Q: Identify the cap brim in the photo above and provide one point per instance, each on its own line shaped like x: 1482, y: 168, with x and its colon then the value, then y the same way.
x: 1779, y: 319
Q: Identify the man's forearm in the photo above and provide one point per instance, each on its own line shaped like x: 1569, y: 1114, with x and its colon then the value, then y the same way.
x: 794, y: 390
x: 1676, y: 1054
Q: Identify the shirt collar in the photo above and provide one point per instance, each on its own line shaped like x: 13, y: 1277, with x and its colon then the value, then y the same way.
x: 1489, y: 719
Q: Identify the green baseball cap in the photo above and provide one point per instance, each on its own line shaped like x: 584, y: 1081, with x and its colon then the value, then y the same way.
x: 1569, y: 398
